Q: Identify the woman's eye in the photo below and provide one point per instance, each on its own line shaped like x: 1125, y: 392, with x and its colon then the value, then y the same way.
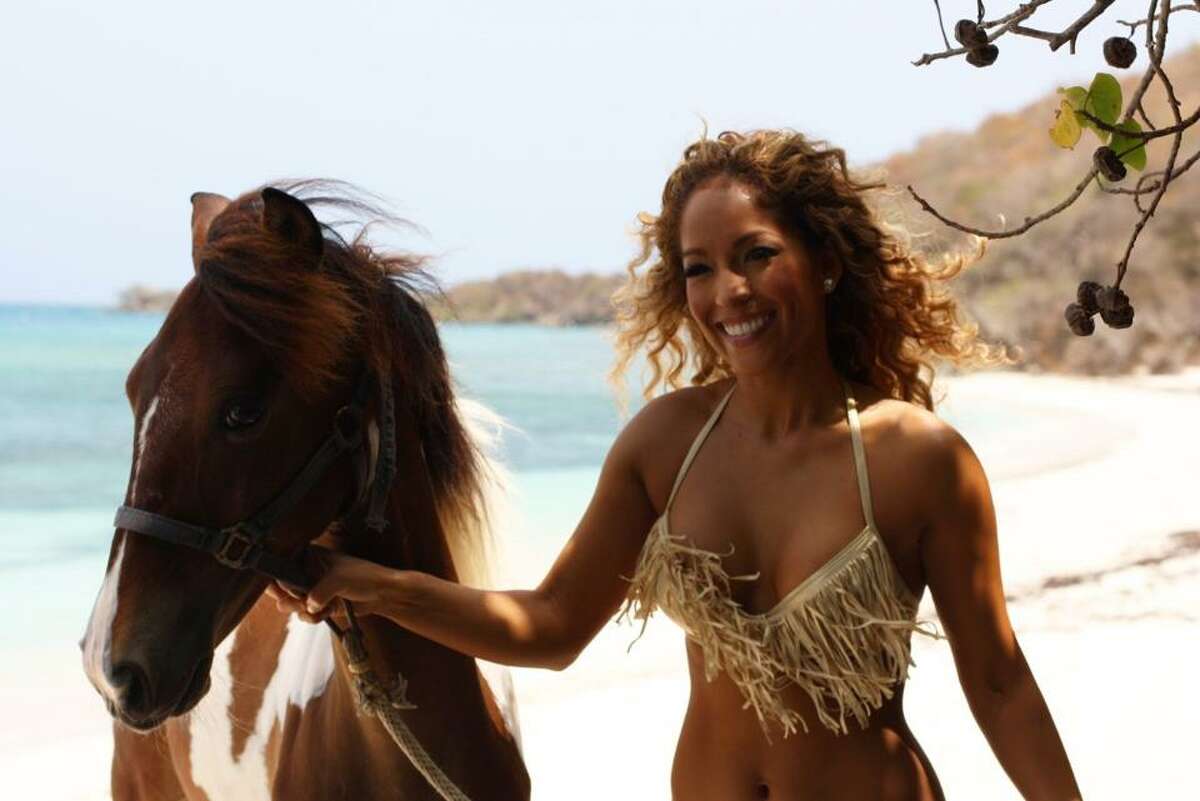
x: 242, y: 414
x: 760, y: 253
x: 692, y: 270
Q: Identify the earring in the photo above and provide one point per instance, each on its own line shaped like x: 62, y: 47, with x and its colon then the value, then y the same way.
x: 829, y: 284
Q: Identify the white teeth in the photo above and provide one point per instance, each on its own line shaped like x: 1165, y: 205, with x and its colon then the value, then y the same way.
x: 742, y: 329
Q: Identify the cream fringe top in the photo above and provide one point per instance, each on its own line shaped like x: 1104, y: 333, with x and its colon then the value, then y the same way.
x: 842, y: 635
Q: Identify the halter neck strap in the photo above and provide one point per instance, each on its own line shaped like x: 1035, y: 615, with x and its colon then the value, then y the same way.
x: 697, y: 442
x: 860, y: 455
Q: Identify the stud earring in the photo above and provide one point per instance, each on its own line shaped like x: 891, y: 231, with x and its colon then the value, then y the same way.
x: 828, y: 285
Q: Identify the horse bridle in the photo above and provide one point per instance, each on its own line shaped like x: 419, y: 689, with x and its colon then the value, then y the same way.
x: 243, y: 545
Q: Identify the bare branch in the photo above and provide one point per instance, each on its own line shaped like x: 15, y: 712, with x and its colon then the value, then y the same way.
x: 1011, y: 24
x: 1023, y: 11
x: 1030, y: 222
x: 1145, y: 117
x: 941, y: 25
x: 1032, y: 33
x: 1133, y: 26
x: 1156, y: 51
x: 1072, y: 31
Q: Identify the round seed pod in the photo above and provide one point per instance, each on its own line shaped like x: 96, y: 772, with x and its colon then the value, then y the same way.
x: 1086, y: 296
x: 1079, y: 321
x: 983, y: 56
x: 1118, y: 318
x: 1112, y: 299
x: 1108, y: 164
x: 968, y: 34
x: 1119, y: 52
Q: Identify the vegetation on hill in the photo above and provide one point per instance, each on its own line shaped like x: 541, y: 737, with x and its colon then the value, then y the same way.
x: 545, y: 297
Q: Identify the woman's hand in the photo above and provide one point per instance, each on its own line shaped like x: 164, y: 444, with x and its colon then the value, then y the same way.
x: 342, y: 576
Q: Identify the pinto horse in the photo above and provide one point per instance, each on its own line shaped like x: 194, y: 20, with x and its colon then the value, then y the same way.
x: 216, y: 695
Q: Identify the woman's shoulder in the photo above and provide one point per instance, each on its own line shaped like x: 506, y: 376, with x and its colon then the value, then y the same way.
x: 657, y: 438
x: 678, y: 413
x: 914, y: 439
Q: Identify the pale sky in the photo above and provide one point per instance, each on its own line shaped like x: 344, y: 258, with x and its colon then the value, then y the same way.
x: 517, y: 134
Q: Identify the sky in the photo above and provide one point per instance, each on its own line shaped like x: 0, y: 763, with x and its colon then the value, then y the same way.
x: 517, y: 135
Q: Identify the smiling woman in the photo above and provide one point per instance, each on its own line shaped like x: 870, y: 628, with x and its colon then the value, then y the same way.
x: 887, y: 310
x: 788, y: 509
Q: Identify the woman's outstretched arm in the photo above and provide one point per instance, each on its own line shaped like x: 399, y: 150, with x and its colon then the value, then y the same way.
x: 544, y: 627
x: 962, y: 568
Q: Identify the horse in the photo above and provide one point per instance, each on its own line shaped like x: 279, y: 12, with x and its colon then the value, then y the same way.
x: 295, y: 374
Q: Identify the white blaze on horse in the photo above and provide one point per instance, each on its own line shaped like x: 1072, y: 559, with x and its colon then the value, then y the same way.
x: 297, y: 381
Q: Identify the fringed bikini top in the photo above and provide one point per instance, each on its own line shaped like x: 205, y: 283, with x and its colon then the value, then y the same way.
x: 842, y: 635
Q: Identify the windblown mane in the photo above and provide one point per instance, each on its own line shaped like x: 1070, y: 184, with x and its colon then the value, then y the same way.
x: 361, y: 308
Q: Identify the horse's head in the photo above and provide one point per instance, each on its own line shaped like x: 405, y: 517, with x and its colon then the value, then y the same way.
x: 230, y: 400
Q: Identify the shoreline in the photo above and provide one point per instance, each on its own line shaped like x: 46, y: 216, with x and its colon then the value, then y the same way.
x: 1099, y: 561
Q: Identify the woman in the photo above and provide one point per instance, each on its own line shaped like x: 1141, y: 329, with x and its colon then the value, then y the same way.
x: 788, y: 508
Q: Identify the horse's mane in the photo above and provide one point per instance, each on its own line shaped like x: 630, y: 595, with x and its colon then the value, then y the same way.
x: 311, y: 320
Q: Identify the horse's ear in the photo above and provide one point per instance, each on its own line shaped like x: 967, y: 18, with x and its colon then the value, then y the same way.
x: 291, y: 219
x: 205, y: 207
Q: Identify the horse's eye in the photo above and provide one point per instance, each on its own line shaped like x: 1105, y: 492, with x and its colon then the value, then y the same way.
x: 242, y: 414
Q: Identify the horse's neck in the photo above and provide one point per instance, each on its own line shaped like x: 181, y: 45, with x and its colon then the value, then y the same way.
x: 442, y: 683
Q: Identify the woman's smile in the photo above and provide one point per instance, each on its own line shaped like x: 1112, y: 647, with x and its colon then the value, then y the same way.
x: 744, y: 331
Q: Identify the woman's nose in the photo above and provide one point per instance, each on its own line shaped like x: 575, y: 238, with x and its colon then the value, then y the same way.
x: 732, y: 288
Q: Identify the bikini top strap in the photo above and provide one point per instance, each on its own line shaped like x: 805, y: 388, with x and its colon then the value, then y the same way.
x: 860, y: 455
x: 696, y: 443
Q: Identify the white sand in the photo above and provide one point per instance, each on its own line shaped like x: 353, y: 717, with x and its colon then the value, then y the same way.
x: 1114, y: 640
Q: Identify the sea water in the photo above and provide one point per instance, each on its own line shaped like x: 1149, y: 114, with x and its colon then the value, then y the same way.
x: 66, y: 436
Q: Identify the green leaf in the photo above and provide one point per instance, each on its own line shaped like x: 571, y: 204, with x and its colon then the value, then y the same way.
x: 1077, y: 96
x: 1104, y: 98
x: 1066, y: 131
x: 1136, y: 155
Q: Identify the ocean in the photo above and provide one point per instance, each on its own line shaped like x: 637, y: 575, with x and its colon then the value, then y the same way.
x: 66, y: 436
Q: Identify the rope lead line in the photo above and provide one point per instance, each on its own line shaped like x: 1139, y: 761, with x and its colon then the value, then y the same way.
x: 385, y: 700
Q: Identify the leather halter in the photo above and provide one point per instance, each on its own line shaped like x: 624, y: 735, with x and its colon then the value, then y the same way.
x: 242, y: 545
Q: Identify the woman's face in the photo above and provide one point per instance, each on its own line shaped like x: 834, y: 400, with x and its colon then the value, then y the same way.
x: 752, y: 287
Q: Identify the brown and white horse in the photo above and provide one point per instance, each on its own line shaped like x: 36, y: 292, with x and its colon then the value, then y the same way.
x: 216, y: 695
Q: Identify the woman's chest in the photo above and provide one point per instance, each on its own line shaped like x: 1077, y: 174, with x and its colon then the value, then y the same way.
x: 785, y: 512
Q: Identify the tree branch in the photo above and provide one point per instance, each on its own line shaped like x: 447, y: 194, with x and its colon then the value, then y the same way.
x: 1030, y: 222
x: 1156, y: 49
x: 1011, y: 24
x: 1133, y: 26
x: 1145, y: 190
x: 1072, y: 31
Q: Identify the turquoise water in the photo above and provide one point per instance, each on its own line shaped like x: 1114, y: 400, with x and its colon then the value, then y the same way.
x: 66, y: 436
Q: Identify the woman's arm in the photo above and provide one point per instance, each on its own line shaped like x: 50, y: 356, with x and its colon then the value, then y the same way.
x: 545, y: 627
x: 962, y: 568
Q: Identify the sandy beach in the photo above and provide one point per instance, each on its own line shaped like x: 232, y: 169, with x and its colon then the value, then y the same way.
x: 1100, y: 543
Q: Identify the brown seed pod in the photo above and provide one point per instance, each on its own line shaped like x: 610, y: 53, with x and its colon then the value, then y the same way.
x: 1108, y: 164
x: 1086, y: 296
x: 1118, y: 318
x: 1112, y: 299
x: 1079, y: 321
x: 968, y: 34
x: 983, y: 56
x: 1119, y: 52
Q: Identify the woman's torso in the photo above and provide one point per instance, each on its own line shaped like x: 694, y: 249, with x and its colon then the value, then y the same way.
x: 782, y: 510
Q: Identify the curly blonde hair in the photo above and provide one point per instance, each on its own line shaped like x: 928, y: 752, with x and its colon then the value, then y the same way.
x: 888, y: 314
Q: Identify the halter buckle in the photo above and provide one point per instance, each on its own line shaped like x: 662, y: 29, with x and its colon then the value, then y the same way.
x: 239, y: 549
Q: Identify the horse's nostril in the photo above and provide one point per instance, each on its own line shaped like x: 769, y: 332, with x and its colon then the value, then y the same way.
x: 134, y: 696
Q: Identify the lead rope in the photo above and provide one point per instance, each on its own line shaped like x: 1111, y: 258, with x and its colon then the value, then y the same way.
x: 386, y: 698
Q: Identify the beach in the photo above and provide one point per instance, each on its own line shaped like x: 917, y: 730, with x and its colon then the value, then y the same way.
x: 1100, y: 549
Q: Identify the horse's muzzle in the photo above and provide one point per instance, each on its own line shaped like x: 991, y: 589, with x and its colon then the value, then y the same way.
x: 143, y: 704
